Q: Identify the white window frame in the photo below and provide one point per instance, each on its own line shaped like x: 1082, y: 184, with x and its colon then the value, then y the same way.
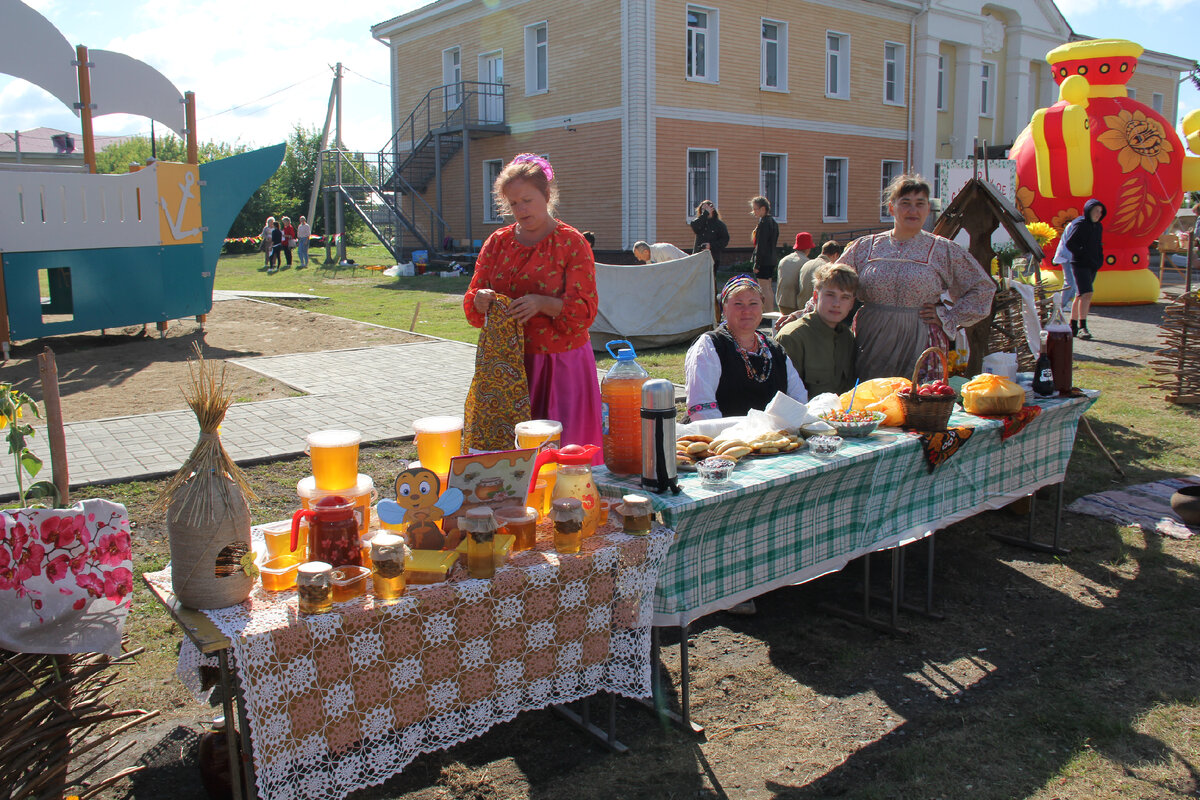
x: 941, y: 83
x: 886, y: 177
x: 1132, y: 93
x: 778, y: 203
x: 708, y: 39
x: 781, y: 56
x: 1158, y: 101
x: 491, y: 171
x: 897, y: 65
x: 536, y: 83
x: 840, y: 61
x: 452, y: 74
x: 843, y: 185
x: 987, y: 89
x: 712, y: 179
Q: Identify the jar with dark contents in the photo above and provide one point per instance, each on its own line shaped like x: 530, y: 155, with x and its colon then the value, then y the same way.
x: 479, y: 524
x: 637, y: 513
x: 388, y: 553
x: 314, y: 586
x: 567, y: 515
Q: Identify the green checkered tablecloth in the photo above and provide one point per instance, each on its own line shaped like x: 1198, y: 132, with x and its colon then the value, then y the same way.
x: 792, y: 518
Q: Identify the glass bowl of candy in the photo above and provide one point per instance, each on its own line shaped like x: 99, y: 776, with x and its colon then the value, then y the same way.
x: 854, y: 424
x: 825, y: 447
x: 715, y: 471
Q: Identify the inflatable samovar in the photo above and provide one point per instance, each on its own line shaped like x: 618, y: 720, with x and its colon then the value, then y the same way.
x: 1098, y: 142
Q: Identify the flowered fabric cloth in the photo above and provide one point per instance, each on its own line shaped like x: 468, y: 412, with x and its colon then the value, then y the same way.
x: 938, y: 446
x: 560, y: 265
x: 345, y: 700
x: 499, y: 395
x: 1015, y: 423
x: 65, y: 578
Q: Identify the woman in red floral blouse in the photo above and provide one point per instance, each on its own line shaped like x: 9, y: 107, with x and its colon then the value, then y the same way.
x: 547, y: 268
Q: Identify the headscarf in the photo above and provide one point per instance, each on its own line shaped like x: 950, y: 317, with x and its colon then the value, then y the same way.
x: 737, y: 283
x: 804, y: 242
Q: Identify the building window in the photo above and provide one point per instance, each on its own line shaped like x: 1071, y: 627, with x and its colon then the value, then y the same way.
x: 1156, y: 102
x: 835, y: 189
x: 889, y: 170
x: 1132, y: 93
x: 702, y: 44
x: 774, y: 55
x: 893, y: 73
x: 701, y: 178
x: 987, y: 94
x: 941, y: 86
x: 452, y: 77
x: 537, y: 62
x: 773, y: 183
x: 491, y: 171
x: 837, y: 65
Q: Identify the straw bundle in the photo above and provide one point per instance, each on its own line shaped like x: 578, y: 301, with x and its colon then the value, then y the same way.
x: 208, y: 521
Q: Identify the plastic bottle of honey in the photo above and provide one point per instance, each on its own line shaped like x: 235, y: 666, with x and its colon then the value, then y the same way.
x: 621, y: 411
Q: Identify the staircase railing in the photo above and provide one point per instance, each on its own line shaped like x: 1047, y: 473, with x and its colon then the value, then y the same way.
x: 447, y: 107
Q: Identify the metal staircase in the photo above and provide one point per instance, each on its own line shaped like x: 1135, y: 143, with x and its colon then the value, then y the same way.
x: 387, y: 189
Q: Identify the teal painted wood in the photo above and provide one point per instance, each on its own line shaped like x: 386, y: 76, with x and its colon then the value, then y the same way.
x: 115, y: 287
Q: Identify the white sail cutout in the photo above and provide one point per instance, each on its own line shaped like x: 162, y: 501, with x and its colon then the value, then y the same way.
x: 32, y: 49
x: 124, y: 85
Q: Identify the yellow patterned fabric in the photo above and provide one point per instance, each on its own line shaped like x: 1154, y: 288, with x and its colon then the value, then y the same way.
x: 499, y: 394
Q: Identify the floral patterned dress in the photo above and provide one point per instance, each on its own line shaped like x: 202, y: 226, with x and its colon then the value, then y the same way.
x: 895, y: 279
x: 559, y: 363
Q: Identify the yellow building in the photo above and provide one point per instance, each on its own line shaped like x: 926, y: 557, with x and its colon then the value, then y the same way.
x: 647, y: 107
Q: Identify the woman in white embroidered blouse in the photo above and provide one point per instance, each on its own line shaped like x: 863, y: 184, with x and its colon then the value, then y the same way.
x: 904, y: 277
x: 736, y: 368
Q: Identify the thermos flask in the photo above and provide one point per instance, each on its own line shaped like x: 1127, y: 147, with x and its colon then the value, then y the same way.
x: 658, y: 436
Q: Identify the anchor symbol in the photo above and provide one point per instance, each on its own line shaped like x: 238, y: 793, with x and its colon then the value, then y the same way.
x: 174, y: 224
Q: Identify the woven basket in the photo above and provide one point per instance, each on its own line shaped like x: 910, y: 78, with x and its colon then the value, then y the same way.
x: 927, y: 413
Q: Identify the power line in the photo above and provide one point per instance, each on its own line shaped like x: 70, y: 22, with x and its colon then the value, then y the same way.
x: 364, y: 77
x: 264, y: 97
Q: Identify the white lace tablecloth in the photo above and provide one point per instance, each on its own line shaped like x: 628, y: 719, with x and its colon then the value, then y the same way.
x: 345, y: 700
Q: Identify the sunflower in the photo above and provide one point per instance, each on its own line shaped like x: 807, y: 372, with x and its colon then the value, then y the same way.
x: 1138, y: 140
x: 1043, y: 232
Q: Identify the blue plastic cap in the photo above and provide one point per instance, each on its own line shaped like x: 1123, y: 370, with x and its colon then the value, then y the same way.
x: 622, y: 354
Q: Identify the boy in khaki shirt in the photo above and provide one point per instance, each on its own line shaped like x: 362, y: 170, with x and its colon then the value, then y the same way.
x: 821, y: 344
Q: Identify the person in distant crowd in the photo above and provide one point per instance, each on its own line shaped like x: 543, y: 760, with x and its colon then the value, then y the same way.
x: 289, y: 239
x: 736, y: 367
x: 1081, y: 254
x: 787, y: 281
x: 276, y: 247
x: 656, y: 253
x: 766, y: 257
x: 546, y: 268
x: 821, y: 344
x: 591, y: 239
x: 303, y: 234
x: 711, y: 233
x: 265, y: 245
x: 1196, y: 229
x: 829, y: 253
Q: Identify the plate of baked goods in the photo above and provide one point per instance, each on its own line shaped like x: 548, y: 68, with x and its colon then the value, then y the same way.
x: 695, y: 448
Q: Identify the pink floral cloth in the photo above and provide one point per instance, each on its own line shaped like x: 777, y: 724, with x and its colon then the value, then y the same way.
x: 65, y: 578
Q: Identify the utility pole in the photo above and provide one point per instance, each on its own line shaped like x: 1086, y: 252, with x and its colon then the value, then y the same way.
x: 318, y: 171
x: 337, y: 138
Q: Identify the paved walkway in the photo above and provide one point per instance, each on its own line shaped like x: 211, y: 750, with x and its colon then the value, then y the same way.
x: 376, y: 390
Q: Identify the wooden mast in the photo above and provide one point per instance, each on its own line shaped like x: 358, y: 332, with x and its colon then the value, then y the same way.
x: 85, y: 106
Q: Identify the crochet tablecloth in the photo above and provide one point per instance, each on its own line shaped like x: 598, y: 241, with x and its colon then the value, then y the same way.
x: 345, y: 700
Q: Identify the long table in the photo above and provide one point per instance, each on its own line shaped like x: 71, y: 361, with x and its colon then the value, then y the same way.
x: 344, y: 700
x: 791, y: 518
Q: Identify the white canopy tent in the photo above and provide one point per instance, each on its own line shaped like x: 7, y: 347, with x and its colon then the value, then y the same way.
x: 654, y: 305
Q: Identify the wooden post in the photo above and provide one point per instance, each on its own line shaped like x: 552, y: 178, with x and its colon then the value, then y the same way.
x: 412, y: 326
x: 4, y: 332
x: 85, y: 106
x: 189, y: 119
x: 48, y: 370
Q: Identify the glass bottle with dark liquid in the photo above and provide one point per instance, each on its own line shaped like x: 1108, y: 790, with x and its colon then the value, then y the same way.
x: 1043, y: 374
x: 1059, y: 347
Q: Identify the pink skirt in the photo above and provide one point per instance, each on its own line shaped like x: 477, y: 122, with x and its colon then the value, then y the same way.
x: 565, y: 387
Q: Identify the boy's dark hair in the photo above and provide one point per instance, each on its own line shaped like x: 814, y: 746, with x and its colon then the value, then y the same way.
x: 839, y: 276
x: 832, y: 248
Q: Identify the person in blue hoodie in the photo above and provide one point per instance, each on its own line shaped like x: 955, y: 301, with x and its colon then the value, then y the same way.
x: 1082, y: 252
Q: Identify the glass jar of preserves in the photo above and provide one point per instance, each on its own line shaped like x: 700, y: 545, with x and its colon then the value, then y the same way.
x: 388, y: 552
x: 567, y: 515
x: 314, y: 586
x: 637, y: 514
x: 479, y: 524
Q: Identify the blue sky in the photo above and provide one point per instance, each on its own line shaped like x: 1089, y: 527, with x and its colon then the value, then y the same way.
x: 260, y: 68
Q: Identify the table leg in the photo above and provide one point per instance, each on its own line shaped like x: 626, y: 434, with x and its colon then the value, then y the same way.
x: 231, y: 737
x: 582, y: 721
x: 927, y: 611
x: 247, y: 744
x: 1028, y: 542
x: 864, y: 617
x: 657, y: 703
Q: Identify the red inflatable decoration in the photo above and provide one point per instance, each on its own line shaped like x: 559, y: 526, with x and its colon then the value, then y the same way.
x: 1098, y: 142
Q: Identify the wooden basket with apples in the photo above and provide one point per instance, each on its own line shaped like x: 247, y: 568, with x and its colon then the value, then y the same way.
x: 927, y: 406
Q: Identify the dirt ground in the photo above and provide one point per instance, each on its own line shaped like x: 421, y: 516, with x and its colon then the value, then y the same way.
x: 121, y: 372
